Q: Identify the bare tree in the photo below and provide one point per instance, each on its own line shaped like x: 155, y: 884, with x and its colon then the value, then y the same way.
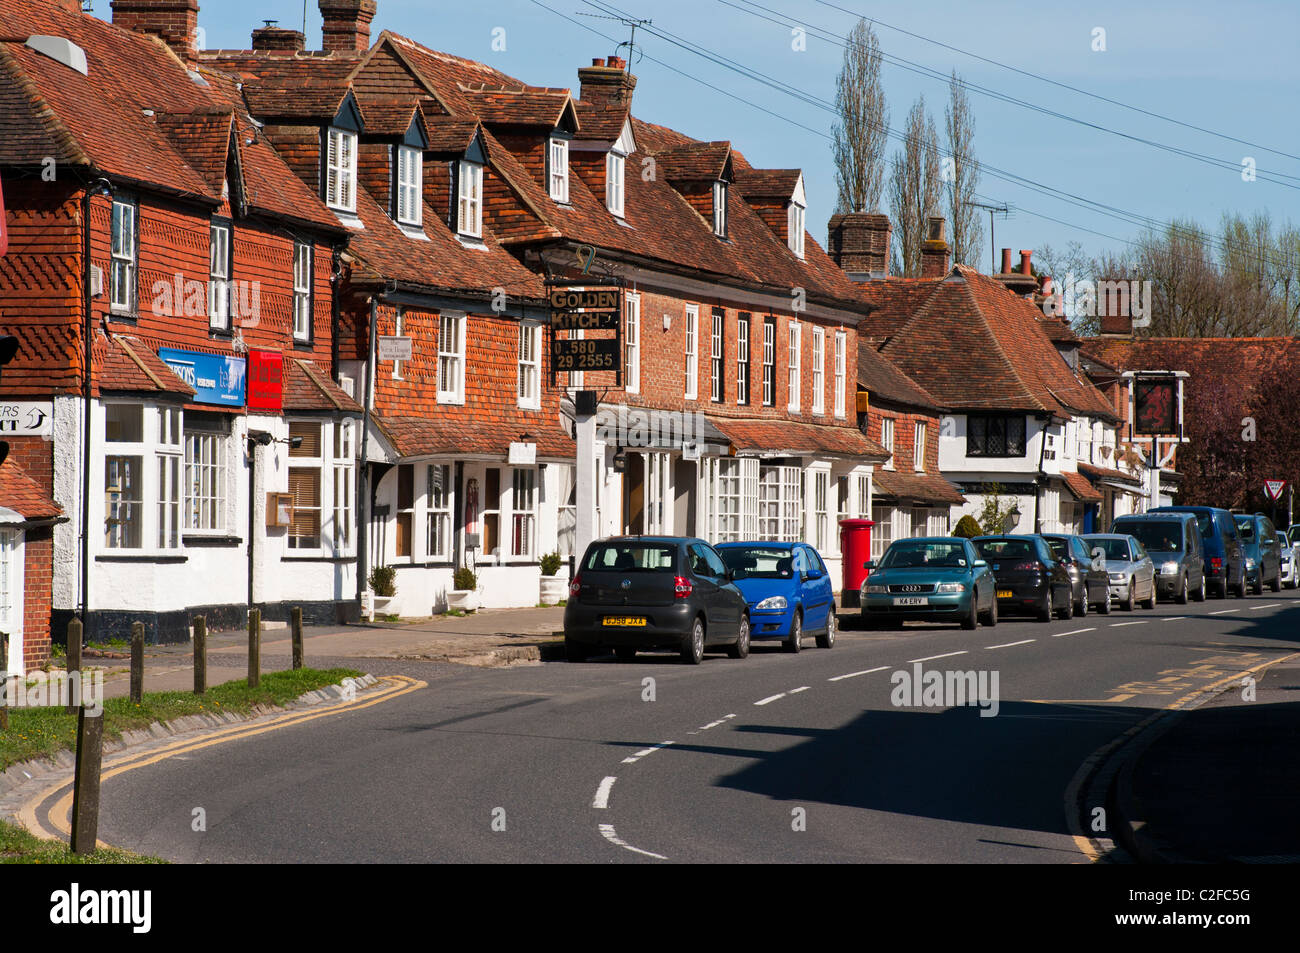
x: 961, y: 172
x: 858, y: 143
x: 915, y: 189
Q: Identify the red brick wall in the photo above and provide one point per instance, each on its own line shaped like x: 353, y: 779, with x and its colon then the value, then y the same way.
x: 36, y: 456
x: 374, y: 172
x: 38, y: 574
x: 905, y: 436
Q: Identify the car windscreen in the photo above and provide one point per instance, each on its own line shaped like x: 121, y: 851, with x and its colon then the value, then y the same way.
x: 1162, y: 536
x: 1247, y: 530
x: 1004, y: 549
x: 631, y: 557
x: 1059, y: 547
x: 922, y: 555
x: 1116, y: 549
x: 758, y: 562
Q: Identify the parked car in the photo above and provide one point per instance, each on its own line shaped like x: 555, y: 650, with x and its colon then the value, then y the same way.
x: 788, y: 590
x: 1029, y: 578
x: 1290, y: 560
x: 654, y: 592
x: 1089, y: 582
x: 1130, y: 570
x: 1225, y: 562
x: 1263, y: 557
x: 1173, y: 542
x: 932, y: 578
x: 1293, y: 532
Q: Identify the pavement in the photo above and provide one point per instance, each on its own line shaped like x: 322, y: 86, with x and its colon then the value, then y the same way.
x: 486, y: 638
x: 1218, y: 783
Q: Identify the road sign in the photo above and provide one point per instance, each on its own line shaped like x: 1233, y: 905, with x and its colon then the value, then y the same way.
x: 393, y: 348
x: 1274, y: 488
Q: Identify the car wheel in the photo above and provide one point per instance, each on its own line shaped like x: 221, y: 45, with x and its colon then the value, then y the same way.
x: 1127, y: 604
x: 972, y: 619
x: 1104, y: 606
x: 625, y: 653
x: 693, y: 650
x: 1277, y: 582
x: 741, y: 648
x: 795, y: 642
x: 1258, y: 588
x: 1151, y: 603
x: 827, y: 639
x: 991, y: 617
x: 1045, y: 610
x: 575, y: 651
x: 1241, y: 587
x: 1199, y: 594
x: 1181, y: 598
x: 1081, y: 607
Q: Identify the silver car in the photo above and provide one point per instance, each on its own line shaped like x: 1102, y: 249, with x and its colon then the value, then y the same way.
x: 1290, y: 561
x: 1129, y: 569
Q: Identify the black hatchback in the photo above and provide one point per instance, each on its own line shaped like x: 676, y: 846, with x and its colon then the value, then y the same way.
x: 654, y: 592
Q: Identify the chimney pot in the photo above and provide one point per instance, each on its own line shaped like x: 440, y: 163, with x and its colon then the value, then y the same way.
x: 935, y: 257
x: 1006, y: 262
x: 598, y: 61
x: 273, y: 38
x: 1025, y: 254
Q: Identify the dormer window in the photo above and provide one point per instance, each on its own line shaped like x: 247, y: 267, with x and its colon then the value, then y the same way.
x: 469, y: 207
x: 410, y: 204
x: 614, y: 165
x: 720, y: 209
x: 794, y: 228
x: 558, y: 172
x: 341, y: 162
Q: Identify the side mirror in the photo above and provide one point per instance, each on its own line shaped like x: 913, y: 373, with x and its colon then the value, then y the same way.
x: 869, y: 564
x: 979, y: 564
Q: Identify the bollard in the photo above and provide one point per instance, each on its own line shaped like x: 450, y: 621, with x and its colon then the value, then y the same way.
x: 254, y: 647
x: 200, y: 654
x: 74, y: 654
x: 295, y: 617
x: 137, y: 662
x: 4, y: 682
x: 85, y: 785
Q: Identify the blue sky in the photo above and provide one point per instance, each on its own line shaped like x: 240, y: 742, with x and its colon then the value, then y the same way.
x: 1230, y: 69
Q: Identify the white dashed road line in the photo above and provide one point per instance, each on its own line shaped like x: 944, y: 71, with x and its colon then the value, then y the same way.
x: 931, y: 658
x: 801, y: 688
x: 868, y: 671
x: 769, y: 699
x: 607, y: 831
x: 601, y: 800
x: 1007, y: 645
x: 633, y: 759
x: 1224, y: 611
x: 1092, y: 628
x: 1120, y: 625
x: 714, y: 724
x: 1271, y: 605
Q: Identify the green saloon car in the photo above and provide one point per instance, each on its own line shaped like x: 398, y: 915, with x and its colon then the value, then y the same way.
x: 933, y: 579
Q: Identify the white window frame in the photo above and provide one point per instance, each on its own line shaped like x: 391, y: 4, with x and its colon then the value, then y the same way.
x: 219, y: 242
x: 343, y: 486
x: 820, y: 511
x: 124, y: 256
x: 451, y: 360
x: 819, y: 370
x: 341, y: 170
x: 795, y: 228
x: 841, y: 358
x: 780, y: 493
x: 11, y: 586
x: 692, y: 351
x: 302, y: 295
x: 918, y: 448
x: 523, y: 515
x: 615, y: 172
x: 410, y: 199
x: 769, y: 363
x: 558, y: 171
x: 439, y: 504
x: 717, y: 364
x: 632, y: 345
x: 205, y: 482
x: 795, y: 371
x: 720, y: 208
x: 529, y: 376
x: 156, y: 498
x: 887, y: 439
x: 469, y: 199
x: 742, y: 359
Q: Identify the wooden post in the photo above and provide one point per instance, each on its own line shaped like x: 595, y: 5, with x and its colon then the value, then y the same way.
x: 4, y: 685
x: 295, y: 617
x: 74, y: 654
x: 137, y: 662
x: 254, y: 647
x: 85, y: 785
x: 200, y: 654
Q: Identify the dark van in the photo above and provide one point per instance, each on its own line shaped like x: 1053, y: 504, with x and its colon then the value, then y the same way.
x: 1225, y: 560
x: 1173, y: 542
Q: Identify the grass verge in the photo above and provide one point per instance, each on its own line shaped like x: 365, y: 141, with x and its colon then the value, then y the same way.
x: 42, y: 732
x: 17, y: 846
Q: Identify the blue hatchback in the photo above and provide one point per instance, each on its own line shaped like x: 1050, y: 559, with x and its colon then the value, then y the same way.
x: 788, y: 590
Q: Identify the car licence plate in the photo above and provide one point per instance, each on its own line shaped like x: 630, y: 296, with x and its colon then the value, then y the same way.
x: 911, y: 601
x: 624, y: 620
x: 1005, y: 594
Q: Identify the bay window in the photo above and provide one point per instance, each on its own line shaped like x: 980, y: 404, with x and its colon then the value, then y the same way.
x: 780, y: 503
x: 144, y: 457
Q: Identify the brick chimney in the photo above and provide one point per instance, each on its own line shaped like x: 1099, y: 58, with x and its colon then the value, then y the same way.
x: 272, y: 37
x: 72, y: 6
x: 176, y: 22
x: 1022, y: 280
x: 859, y: 243
x: 1114, y: 308
x: 935, y: 258
x: 606, y: 82
x: 346, y: 26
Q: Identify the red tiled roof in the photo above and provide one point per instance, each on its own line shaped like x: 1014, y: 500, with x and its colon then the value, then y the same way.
x: 767, y: 183
x: 758, y: 435
x: 524, y: 107
x: 421, y: 436
x: 1190, y: 354
x: 1083, y: 490
x: 388, y: 118
x: 203, y: 137
x: 1095, y: 474
x: 694, y: 161
x: 307, y: 387
x: 301, y: 86
x: 603, y: 121
x: 125, y: 364
x: 448, y: 135
x: 921, y: 487
x: 885, y: 382
x: 23, y: 495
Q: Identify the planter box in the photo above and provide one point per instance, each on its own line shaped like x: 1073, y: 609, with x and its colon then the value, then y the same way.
x: 553, y: 589
x: 464, y: 599
x: 381, y: 604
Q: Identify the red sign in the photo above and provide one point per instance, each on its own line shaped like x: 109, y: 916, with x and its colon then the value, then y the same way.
x: 1274, y: 488
x: 265, y: 380
x: 4, y: 227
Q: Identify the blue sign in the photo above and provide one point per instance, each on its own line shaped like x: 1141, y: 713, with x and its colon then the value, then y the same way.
x: 216, y: 378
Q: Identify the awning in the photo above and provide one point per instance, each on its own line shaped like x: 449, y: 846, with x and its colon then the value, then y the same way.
x: 1083, y: 491
x: 759, y: 437
x: 424, y: 436
x: 928, y: 488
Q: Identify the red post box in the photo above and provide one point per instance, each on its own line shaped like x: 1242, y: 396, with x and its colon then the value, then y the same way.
x: 855, y: 549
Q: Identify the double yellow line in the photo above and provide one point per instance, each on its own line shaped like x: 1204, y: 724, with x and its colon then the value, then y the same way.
x: 55, y: 823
